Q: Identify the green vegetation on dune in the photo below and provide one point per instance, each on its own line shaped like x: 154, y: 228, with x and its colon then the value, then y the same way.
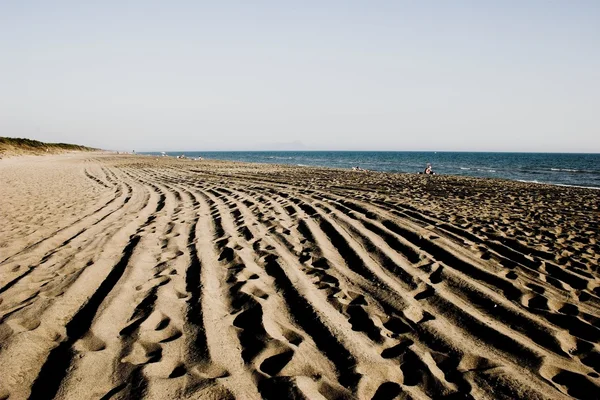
x: 17, y: 146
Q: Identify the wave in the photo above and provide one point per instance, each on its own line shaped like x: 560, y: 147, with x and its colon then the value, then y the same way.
x: 566, y: 170
x: 558, y: 184
x: 575, y: 171
x: 526, y: 181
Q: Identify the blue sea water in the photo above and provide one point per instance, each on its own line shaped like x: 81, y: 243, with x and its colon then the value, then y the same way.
x: 559, y: 169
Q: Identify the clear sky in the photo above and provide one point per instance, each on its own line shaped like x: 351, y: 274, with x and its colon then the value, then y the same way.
x: 350, y: 75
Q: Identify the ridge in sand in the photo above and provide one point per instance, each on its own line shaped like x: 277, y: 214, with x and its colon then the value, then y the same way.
x: 136, y: 277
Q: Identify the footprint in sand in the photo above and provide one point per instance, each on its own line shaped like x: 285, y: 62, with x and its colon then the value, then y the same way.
x: 91, y: 342
x: 165, y: 369
x: 428, y: 291
x: 23, y: 324
x: 210, y: 371
x: 143, y: 353
x: 397, y: 350
x: 274, y: 364
x: 387, y: 390
x: 577, y: 385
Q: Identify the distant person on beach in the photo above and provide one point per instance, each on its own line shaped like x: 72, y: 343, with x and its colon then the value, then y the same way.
x: 428, y: 170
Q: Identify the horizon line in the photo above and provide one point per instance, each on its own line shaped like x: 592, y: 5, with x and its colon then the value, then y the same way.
x: 362, y: 151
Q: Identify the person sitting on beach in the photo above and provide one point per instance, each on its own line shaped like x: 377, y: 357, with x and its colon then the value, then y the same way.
x: 428, y: 170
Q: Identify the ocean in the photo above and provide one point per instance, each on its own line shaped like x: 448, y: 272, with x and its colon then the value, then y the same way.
x: 558, y: 169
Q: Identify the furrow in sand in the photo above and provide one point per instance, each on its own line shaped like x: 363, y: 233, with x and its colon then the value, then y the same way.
x: 509, y: 252
x: 367, y: 230
x: 425, y: 215
x: 363, y: 310
x: 513, y: 322
x: 62, y: 233
x: 353, y: 260
x: 512, y: 317
x: 129, y: 335
x: 379, y: 308
x: 480, y: 288
x: 72, y: 254
x: 529, y: 272
x: 49, y: 330
x: 186, y: 361
x: 21, y: 264
x: 516, y: 315
x: 58, y: 268
x: 224, y: 347
x: 55, y: 368
x: 196, y: 333
x: 330, y: 330
x: 392, y: 317
x: 222, y: 280
x: 463, y: 296
x: 256, y: 341
x: 274, y: 346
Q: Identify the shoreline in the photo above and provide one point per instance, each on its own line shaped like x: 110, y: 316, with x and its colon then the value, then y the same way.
x: 559, y: 184
x: 548, y: 174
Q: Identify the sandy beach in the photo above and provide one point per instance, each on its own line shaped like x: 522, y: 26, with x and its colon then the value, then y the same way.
x: 144, y: 277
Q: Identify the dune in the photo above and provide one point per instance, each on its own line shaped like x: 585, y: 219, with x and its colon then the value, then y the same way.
x: 144, y: 277
x: 11, y: 147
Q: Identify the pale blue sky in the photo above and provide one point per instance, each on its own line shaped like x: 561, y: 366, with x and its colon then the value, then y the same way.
x: 358, y: 75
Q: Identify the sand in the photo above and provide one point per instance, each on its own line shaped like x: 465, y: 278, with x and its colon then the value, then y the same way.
x: 138, y: 277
